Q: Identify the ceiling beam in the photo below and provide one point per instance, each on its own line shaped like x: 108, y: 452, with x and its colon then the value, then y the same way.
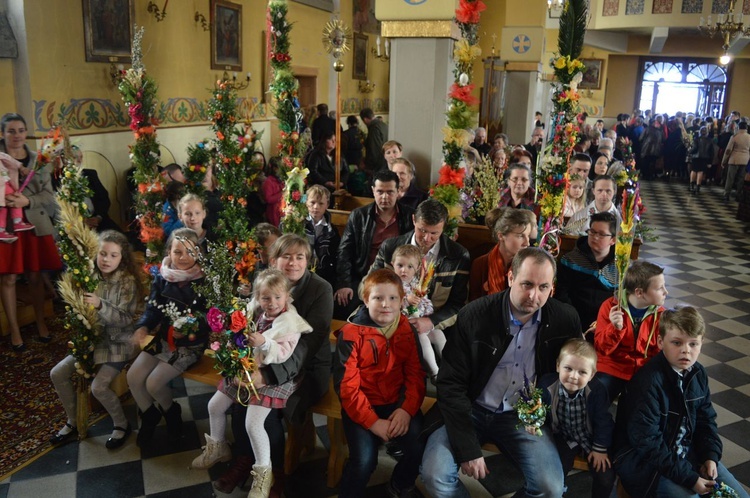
x: 658, y: 39
x: 607, y: 40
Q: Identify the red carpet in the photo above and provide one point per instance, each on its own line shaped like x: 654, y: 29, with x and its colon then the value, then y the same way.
x: 29, y: 410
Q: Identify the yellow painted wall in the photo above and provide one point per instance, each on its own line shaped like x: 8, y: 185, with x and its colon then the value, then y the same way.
x: 7, y: 89
x: 739, y: 97
x: 621, y: 85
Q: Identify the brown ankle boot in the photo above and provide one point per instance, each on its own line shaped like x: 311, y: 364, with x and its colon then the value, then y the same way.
x: 237, y: 474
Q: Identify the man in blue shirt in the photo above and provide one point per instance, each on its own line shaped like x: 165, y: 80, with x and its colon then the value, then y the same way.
x: 497, y: 342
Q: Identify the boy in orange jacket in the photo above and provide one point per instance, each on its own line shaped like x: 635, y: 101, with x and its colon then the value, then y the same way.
x: 378, y: 376
x: 627, y: 333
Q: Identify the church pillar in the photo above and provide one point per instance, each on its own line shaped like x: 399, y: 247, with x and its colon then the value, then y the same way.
x: 419, y: 82
x: 421, y: 37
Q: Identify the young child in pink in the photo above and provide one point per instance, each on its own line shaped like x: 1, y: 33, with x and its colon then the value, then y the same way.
x: 9, y: 168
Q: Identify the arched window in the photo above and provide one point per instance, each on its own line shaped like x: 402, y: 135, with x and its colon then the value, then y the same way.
x: 688, y: 85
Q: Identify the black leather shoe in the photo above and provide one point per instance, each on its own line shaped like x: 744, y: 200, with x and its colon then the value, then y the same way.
x: 113, y: 443
x: 18, y: 348
x: 43, y: 340
x: 393, y: 449
x: 59, y: 439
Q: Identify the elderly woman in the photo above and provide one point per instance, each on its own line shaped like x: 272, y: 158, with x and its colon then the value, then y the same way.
x: 33, y: 250
x: 512, y: 230
x: 408, y: 192
x: 519, y: 193
x: 310, y: 362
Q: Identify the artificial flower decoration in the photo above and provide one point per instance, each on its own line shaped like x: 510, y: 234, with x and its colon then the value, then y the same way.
x: 463, y: 93
x: 468, y: 11
x: 138, y: 91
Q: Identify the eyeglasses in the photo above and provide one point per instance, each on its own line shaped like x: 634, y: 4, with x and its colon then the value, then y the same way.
x: 518, y: 180
x: 598, y: 235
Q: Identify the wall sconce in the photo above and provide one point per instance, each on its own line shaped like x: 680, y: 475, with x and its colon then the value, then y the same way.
x: 116, y: 72
x: 366, y: 86
x: 200, y: 18
x: 376, y: 50
x: 237, y: 85
x: 158, y: 14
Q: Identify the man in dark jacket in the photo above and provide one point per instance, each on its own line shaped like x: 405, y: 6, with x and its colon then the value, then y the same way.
x: 449, y: 288
x: 323, y: 124
x: 497, y: 343
x: 377, y: 134
x: 367, y: 228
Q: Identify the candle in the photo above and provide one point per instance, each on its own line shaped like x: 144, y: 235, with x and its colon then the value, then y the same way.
x: 703, y: 21
x: 249, y: 76
x: 377, y: 44
x: 387, y: 48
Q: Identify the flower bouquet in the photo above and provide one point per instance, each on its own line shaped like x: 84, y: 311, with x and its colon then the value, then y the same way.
x: 420, y: 290
x: 721, y: 490
x: 532, y: 412
x: 234, y: 356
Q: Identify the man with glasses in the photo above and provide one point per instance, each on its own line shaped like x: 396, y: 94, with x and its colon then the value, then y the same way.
x: 367, y: 228
x: 604, y: 188
x: 587, y: 275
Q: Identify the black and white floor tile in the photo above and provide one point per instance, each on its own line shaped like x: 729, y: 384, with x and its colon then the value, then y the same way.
x: 707, y: 258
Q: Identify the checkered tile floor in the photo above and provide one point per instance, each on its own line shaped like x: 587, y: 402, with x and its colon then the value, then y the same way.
x: 707, y: 258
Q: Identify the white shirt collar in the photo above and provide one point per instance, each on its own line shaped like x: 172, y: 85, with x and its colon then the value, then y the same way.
x: 432, y: 254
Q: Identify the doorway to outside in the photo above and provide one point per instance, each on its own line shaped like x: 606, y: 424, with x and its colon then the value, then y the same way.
x: 688, y: 85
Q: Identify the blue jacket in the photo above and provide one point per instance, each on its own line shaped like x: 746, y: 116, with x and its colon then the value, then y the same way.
x: 648, y: 422
x: 598, y: 419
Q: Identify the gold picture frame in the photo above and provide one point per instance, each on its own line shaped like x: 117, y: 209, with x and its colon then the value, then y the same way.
x: 592, y: 75
x: 359, y: 65
x: 226, y: 35
x: 108, y: 30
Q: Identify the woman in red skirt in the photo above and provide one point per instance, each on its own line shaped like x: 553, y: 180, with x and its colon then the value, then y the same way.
x: 34, y: 250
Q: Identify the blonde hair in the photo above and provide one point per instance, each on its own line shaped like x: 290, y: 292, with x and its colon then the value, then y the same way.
x: 272, y: 279
x: 190, y: 198
x: 318, y: 192
x: 580, y: 348
x: 408, y: 251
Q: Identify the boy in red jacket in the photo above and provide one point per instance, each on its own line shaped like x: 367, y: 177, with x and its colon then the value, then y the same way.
x: 627, y: 334
x: 379, y: 379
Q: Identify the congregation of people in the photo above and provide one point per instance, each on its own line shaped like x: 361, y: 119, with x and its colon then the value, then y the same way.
x: 417, y: 310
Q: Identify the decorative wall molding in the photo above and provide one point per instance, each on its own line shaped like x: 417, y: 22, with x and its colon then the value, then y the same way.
x: 93, y: 114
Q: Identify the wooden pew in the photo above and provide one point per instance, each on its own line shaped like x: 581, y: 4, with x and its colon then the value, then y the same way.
x: 475, y: 238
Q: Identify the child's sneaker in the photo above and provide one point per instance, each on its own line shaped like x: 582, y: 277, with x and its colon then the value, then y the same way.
x: 23, y: 226
x: 7, y: 238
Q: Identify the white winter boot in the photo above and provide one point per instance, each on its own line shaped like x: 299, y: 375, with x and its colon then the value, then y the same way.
x: 214, y: 451
x: 262, y: 482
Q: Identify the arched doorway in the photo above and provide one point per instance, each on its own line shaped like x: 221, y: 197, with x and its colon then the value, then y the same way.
x: 688, y: 85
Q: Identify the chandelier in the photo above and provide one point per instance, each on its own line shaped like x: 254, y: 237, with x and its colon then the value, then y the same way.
x: 728, y: 26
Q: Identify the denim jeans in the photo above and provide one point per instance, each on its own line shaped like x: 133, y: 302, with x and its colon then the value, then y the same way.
x: 603, y: 482
x: 535, y: 456
x: 666, y: 488
x: 614, y: 385
x: 363, y: 454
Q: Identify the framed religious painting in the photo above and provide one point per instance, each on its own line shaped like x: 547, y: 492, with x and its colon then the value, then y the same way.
x: 592, y: 75
x: 108, y: 30
x: 359, y: 67
x: 226, y: 35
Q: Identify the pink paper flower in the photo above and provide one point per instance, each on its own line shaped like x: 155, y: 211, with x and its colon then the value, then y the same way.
x: 215, y: 319
x: 215, y: 345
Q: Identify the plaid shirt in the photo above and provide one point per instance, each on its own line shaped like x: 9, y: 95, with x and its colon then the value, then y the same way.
x: 571, y: 412
x: 527, y: 202
x: 682, y: 442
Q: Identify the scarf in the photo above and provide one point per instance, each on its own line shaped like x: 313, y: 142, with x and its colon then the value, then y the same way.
x: 173, y: 275
x: 496, y: 274
x: 389, y: 330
